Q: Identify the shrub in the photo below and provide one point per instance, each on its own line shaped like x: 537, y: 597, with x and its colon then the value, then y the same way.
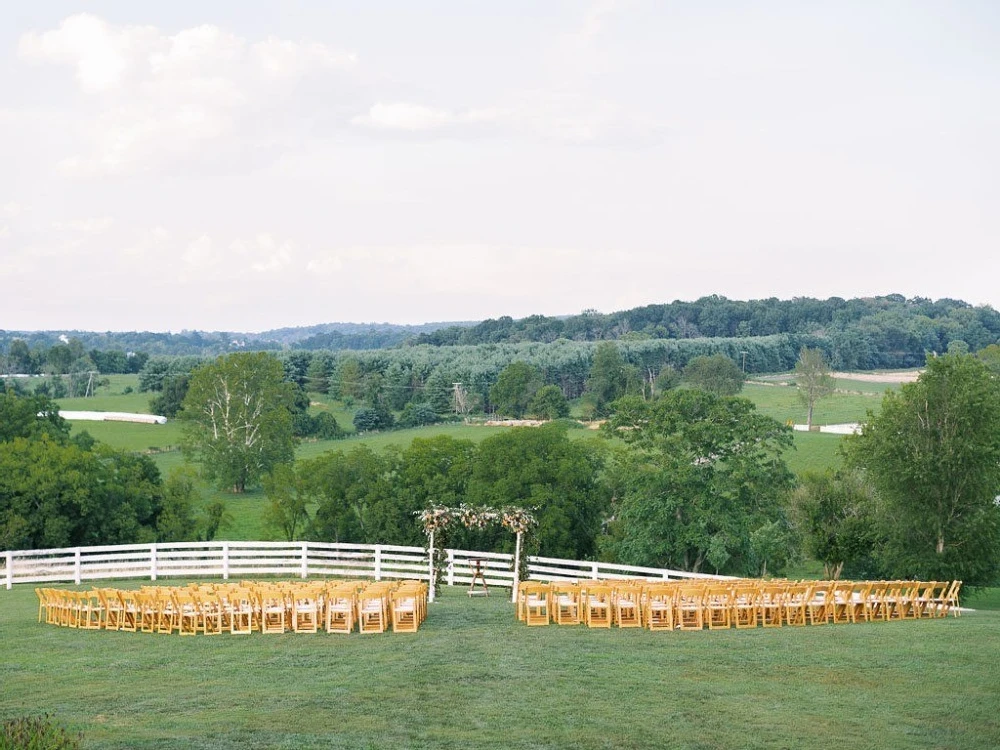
x: 369, y: 419
x: 36, y: 733
x: 418, y: 415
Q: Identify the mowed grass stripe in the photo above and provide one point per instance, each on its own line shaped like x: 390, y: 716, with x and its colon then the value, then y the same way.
x: 473, y: 677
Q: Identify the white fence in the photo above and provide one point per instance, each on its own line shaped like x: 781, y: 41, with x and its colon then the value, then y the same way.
x: 295, y: 560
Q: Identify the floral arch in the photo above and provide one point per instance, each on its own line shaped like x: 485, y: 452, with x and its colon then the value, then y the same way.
x: 438, y: 518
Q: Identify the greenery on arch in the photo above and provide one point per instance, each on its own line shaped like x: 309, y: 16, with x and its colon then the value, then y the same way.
x: 438, y: 519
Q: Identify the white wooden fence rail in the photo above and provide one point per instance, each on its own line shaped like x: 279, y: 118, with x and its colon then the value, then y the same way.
x: 293, y: 560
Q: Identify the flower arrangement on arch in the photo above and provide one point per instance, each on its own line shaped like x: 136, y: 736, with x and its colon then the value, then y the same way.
x: 517, y: 520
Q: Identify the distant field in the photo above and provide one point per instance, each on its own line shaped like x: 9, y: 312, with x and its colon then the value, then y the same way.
x: 782, y: 403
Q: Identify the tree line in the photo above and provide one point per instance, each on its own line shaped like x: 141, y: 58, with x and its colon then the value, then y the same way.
x: 888, y: 331
x: 856, y: 334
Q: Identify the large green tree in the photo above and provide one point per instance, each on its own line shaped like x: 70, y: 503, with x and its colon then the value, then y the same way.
x: 716, y: 374
x: 549, y: 403
x: 701, y: 485
x: 30, y: 417
x: 541, y: 468
x: 287, y: 511
x: 516, y: 385
x: 608, y: 378
x: 813, y: 378
x: 60, y: 494
x: 237, y: 418
x: 356, y: 496
x: 837, y: 517
x: 933, y: 454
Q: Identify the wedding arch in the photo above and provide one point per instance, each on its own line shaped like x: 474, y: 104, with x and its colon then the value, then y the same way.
x: 438, y: 518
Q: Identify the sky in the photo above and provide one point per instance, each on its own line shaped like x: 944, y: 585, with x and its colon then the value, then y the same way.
x: 244, y: 166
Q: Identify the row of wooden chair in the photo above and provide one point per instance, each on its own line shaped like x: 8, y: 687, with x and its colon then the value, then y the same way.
x: 242, y: 608
x: 741, y: 603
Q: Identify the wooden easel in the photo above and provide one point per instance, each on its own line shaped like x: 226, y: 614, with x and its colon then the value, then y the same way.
x: 478, y: 578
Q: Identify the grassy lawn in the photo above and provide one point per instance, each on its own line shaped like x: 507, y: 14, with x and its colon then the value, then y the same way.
x: 814, y: 451
x: 473, y: 677
x: 782, y: 403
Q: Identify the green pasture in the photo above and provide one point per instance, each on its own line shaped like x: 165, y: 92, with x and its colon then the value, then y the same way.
x: 474, y: 677
x: 782, y: 403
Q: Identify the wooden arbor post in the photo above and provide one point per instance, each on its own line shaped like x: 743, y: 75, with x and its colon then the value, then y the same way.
x: 517, y: 567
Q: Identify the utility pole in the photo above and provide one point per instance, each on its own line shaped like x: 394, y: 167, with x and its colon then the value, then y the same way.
x: 744, y: 353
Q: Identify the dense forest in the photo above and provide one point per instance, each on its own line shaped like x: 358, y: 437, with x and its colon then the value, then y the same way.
x: 865, y: 333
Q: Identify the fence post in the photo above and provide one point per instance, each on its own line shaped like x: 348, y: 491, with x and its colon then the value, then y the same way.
x: 225, y: 561
x: 378, y: 562
x: 152, y: 562
x: 10, y: 570
x: 593, y: 571
x: 305, y: 560
x: 451, y: 567
x: 77, y: 563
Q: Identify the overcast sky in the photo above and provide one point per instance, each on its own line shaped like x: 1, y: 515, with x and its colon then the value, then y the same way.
x: 249, y: 165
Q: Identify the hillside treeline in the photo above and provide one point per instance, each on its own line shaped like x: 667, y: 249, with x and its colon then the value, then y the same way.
x: 332, y: 336
x: 858, y: 334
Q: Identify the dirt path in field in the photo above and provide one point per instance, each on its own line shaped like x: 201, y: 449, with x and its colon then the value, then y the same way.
x: 908, y: 376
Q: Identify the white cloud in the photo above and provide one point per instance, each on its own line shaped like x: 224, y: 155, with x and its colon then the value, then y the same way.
x: 200, y: 254
x: 404, y: 116
x: 170, y: 98
x: 92, y: 225
x: 593, y: 23
x: 281, y: 58
x: 148, y: 244
x: 99, y: 52
x: 264, y: 254
x: 552, y: 116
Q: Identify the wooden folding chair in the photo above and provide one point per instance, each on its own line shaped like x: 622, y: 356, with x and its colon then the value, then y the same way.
x: 90, y: 614
x: 305, y: 600
x: 239, y: 606
x: 537, y: 601
x: 405, y: 610
x: 772, y: 605
x: 819, y: 608
x: 841, y: 606
x: 114, y: 611
x: 628, y: 605
x: 597, y: 606
x: 373, y: 607
x: 566, y: 602
x: 659, y: 607
x: 689, y: 606
x: 795, y: 603
x: 746, y: 604
x: 340, y: 608
x: 718, y: 606
x: 272, y: 609
x: 949, y: 601
x: 187, y: 612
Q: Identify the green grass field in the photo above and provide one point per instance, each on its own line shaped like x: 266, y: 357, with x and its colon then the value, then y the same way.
x: 782, y: 403
x: 473, y: 677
